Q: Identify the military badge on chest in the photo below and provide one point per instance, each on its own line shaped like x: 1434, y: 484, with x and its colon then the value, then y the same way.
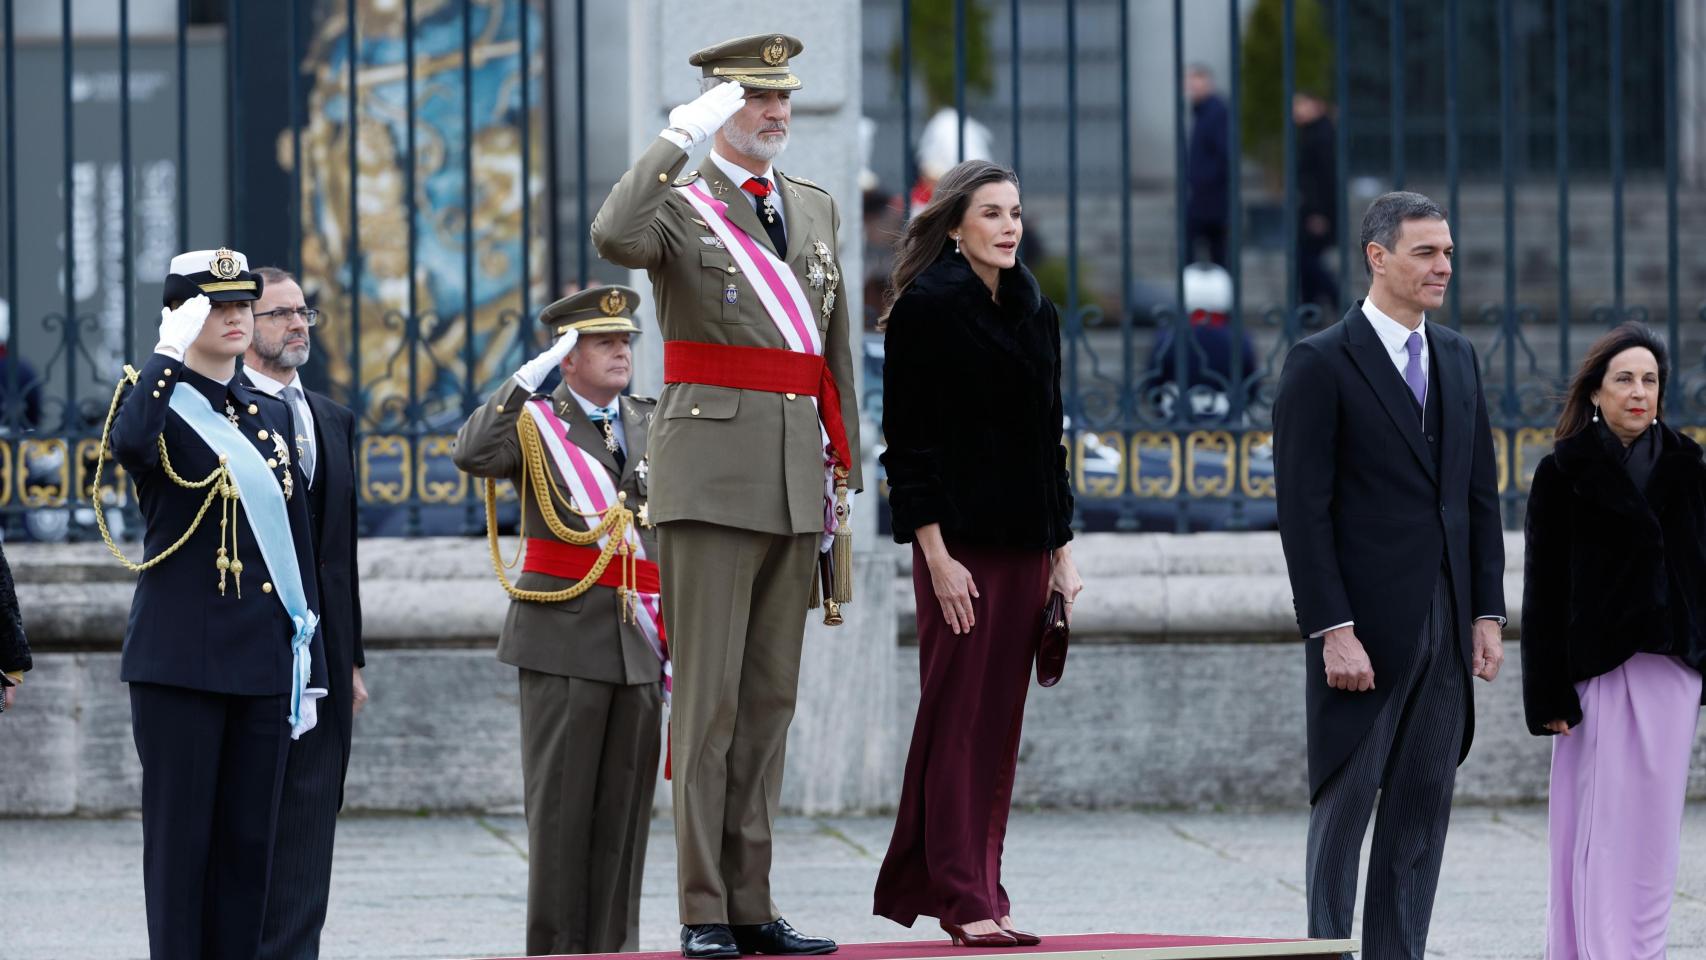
x: 821, y: 274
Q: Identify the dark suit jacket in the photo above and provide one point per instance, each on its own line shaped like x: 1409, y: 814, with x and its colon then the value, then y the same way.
x: 182, y: 631
x: 332, y: 511
x: 1367, y: 519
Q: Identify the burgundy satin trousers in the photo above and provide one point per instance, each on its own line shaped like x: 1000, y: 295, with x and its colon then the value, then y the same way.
x: 944, y: 859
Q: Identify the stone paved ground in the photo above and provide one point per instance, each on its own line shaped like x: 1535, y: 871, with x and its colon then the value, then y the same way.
x: 454, y: 886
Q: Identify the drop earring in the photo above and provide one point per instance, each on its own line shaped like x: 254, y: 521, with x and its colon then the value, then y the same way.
x: 956, y: 244
x: 1596, y: 413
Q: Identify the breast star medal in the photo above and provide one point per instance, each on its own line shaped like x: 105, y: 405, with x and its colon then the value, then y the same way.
x: 281, y: 453
x: 825, y: 265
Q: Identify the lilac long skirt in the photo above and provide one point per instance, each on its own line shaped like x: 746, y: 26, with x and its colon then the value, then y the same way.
x: 1618, y: 785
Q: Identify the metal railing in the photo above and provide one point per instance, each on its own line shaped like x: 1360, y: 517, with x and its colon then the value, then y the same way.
x: 425, y: 175
x: 1181, y: 440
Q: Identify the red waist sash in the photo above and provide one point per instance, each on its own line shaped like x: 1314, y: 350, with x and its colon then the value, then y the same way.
x: 761, y: 368
x: 570, y: 562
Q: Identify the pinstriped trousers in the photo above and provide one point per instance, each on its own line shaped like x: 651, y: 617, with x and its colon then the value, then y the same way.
x: 301, y: 880
x: 1407, y: 764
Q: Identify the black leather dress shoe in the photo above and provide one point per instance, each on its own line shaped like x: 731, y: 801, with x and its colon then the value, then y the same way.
x: 777, y: 938
x: 708, y: 941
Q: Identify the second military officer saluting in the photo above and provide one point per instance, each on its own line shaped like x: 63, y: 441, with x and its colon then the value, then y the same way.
x: 756, y: 414
x: 585, y: 624
x: 222, y: 652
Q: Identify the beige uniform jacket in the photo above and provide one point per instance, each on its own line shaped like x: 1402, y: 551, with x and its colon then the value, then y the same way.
x: 741, y: 458
x: 585, y: 637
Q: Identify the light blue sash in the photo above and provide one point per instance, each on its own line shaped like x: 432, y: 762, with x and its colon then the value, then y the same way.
x: 263, y: 507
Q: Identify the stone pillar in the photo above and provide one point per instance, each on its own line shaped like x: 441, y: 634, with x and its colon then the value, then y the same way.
x: 842, y: 751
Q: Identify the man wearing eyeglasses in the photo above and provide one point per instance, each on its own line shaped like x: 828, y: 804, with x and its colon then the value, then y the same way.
x: 314, y: 776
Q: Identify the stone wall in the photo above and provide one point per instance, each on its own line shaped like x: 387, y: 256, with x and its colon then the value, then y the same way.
x: 1184, y: 688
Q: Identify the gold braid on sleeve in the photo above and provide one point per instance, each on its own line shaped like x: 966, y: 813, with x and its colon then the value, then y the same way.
x: 219, y: 485
x: 612, y: 524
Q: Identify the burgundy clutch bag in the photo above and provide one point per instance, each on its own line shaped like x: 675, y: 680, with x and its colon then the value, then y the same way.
x: 1051, y: 651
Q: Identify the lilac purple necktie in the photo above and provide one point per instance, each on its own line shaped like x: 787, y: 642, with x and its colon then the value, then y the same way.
x: 1413, y: 373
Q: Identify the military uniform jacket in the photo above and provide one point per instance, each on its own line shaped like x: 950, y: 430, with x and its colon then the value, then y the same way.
x: 585, y: 637
x: 182, y: 631
x: 741, y: 458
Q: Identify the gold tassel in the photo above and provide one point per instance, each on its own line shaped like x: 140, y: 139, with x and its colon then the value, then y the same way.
x: 842, y: 591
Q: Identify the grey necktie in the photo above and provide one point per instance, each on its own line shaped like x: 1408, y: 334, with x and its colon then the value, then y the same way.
x: 304, y: 433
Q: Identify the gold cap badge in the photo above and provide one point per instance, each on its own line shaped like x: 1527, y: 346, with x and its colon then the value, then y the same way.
x: 613, y: 303
x: 776, y: 52
x: 224, y: 264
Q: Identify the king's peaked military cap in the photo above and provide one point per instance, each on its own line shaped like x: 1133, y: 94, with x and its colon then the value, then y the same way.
x: 594, y: 310
x: 221, y: 275
x: 759, y: 61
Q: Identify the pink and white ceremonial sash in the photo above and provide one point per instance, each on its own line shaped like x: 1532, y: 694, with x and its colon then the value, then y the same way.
x: 783, y: 299
x: 591, y: 489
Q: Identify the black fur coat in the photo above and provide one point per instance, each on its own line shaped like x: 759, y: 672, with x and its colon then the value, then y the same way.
x: 1608, y: 572
x: 972, y: 411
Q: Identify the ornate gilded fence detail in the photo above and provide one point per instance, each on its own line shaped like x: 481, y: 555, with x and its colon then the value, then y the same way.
x: 440, y: 481
x: 1167, y: 444
x: 1253, y: 445
x: 1097, y: 449
x: 54, y: 454
x: 387, y: 473
x: 1203, y: 480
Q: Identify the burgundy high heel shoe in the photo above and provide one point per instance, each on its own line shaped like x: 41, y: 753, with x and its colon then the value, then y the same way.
x: 961, y: 938
x: 1021, y: 938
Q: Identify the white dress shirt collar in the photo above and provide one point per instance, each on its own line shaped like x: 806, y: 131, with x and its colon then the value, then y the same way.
x: 268, y: 385
x: 1394, y: 335
x: 738, y: 175
x: 616, y: 425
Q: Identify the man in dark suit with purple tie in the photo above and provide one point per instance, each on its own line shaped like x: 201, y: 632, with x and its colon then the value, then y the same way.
x: 1389, y: 515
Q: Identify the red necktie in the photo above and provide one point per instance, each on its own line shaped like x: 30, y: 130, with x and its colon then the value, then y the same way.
x: 760, y: 188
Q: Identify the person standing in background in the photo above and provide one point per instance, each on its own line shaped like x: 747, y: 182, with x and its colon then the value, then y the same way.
x: 1208, y: 170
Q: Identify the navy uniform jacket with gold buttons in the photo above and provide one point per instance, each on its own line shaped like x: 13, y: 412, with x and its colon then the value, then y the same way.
x: 182, y: 631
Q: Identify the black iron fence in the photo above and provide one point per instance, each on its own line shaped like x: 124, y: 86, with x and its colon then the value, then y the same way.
x: 424, y: 172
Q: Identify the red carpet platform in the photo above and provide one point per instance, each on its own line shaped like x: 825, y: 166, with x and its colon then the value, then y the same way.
x: 1089, y: 946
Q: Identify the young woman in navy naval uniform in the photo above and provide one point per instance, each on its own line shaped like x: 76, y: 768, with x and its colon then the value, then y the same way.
x: 221, y: 653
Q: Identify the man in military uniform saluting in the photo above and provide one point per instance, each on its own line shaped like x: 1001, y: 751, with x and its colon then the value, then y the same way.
x: 584, y: 622
x: 222, y: 653
x: 758, y: 402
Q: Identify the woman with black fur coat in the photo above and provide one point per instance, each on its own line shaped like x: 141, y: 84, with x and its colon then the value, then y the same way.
x: 978, y: 485
x: 1613, y: 641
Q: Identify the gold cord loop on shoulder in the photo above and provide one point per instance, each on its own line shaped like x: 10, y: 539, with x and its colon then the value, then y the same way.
x: 613, y: 523
x: 219, y: 485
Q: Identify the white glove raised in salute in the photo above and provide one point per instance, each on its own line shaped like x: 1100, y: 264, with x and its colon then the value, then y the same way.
x: 696, y: 122
x: 180, y: 327
x: 534, y: 372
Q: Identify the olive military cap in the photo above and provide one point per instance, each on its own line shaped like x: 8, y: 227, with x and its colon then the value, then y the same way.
x: 759, y: 61
x: 594, y: 310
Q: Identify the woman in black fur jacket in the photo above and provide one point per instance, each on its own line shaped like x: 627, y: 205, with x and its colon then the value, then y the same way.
x: 978, y: 485
x: 1613, y: 640
x: 14, y: 647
